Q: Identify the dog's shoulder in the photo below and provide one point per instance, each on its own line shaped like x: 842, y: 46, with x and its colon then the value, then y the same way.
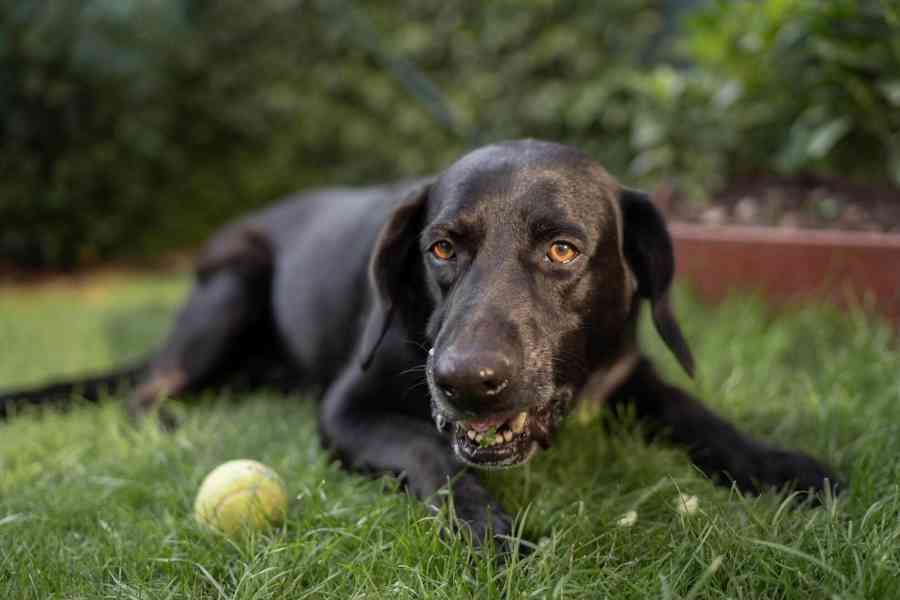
x: 350, y: 211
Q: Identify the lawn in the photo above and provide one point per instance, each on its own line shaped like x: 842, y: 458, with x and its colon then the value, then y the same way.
x: 91, y: 508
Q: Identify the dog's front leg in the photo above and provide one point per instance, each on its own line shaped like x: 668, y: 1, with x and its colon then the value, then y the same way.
x: 718, y: 448
x: 367, y: 436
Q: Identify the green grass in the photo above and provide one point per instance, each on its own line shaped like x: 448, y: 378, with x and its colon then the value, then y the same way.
x: 90, y: 508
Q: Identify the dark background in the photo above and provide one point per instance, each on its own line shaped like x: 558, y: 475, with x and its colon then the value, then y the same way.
x: 131, y: 128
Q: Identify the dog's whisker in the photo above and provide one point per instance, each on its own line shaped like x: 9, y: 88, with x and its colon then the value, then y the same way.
x: 415, y: 369
x: 571, y: 365
x: 417, y: 385
x: 418, y: 344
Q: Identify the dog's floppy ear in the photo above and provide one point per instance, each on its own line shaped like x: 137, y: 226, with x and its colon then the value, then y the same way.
x: 648, y: 250
x: 390, y: 269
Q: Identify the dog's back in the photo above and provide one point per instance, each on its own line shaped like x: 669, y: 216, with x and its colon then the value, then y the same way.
x: 322, y: 242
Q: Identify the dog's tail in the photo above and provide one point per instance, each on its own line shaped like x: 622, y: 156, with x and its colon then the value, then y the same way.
x: 62, y: 393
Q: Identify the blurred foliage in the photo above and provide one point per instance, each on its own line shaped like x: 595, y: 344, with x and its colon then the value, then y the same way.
x: 815, y: 86
x: 575, y: 71
x: 130, y: 127
x: 135, y: 126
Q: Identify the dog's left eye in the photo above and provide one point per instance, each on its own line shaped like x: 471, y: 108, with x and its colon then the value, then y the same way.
x: 562, y: 252
x: 443, y: 250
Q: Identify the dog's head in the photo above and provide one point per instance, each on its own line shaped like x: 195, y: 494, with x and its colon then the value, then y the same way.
x: 528, y: 259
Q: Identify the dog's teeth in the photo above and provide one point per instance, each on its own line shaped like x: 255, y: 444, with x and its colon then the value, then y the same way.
x: 440, y: 421
x: 508, y: 436
x: 518, y: 423
x: 471, y: 434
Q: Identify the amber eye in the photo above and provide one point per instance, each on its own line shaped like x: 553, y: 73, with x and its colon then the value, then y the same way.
x: 443, y: 250
x: 562, y: 252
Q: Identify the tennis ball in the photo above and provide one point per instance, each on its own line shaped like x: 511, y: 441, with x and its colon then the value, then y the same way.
x: 241, y: 494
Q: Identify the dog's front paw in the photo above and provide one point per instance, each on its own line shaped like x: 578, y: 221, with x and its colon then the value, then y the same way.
x: 764, y: 468
x: 478, y: 516
x: 484, y: 522
x: 782, y: 468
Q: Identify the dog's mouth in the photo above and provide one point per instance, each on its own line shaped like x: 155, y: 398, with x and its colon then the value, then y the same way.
x: 505, y: 440
x: 495, y: 442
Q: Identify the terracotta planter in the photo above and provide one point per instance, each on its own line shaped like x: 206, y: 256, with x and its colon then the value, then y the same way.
x: 791, y: 265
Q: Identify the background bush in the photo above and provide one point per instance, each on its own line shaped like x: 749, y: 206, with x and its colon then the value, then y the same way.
x: 130, y: 127
x: 814, y: 86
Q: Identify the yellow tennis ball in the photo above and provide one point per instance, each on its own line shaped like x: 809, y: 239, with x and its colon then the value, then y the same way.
x: 241, y: 494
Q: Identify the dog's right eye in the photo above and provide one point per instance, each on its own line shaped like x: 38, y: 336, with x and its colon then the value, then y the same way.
x: 443, y: 250
x: 562, y: 252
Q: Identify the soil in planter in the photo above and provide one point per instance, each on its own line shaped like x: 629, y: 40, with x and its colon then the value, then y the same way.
x: 793, y: 202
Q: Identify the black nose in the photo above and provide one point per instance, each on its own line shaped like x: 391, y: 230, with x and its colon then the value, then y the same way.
x: 474, y: 376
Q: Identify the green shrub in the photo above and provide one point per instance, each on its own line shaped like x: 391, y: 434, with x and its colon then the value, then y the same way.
x: 135, y: 126
x: 816, y: 85
x: 414, y: 83
x: 130, y: 125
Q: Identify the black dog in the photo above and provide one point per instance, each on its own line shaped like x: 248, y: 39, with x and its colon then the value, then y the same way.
x: 513, y: 280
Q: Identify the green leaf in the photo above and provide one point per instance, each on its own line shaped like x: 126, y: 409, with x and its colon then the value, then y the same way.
x: 891, y: 91
x: 824, y: 138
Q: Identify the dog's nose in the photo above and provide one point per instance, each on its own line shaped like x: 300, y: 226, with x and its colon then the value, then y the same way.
x: 471, y: 376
